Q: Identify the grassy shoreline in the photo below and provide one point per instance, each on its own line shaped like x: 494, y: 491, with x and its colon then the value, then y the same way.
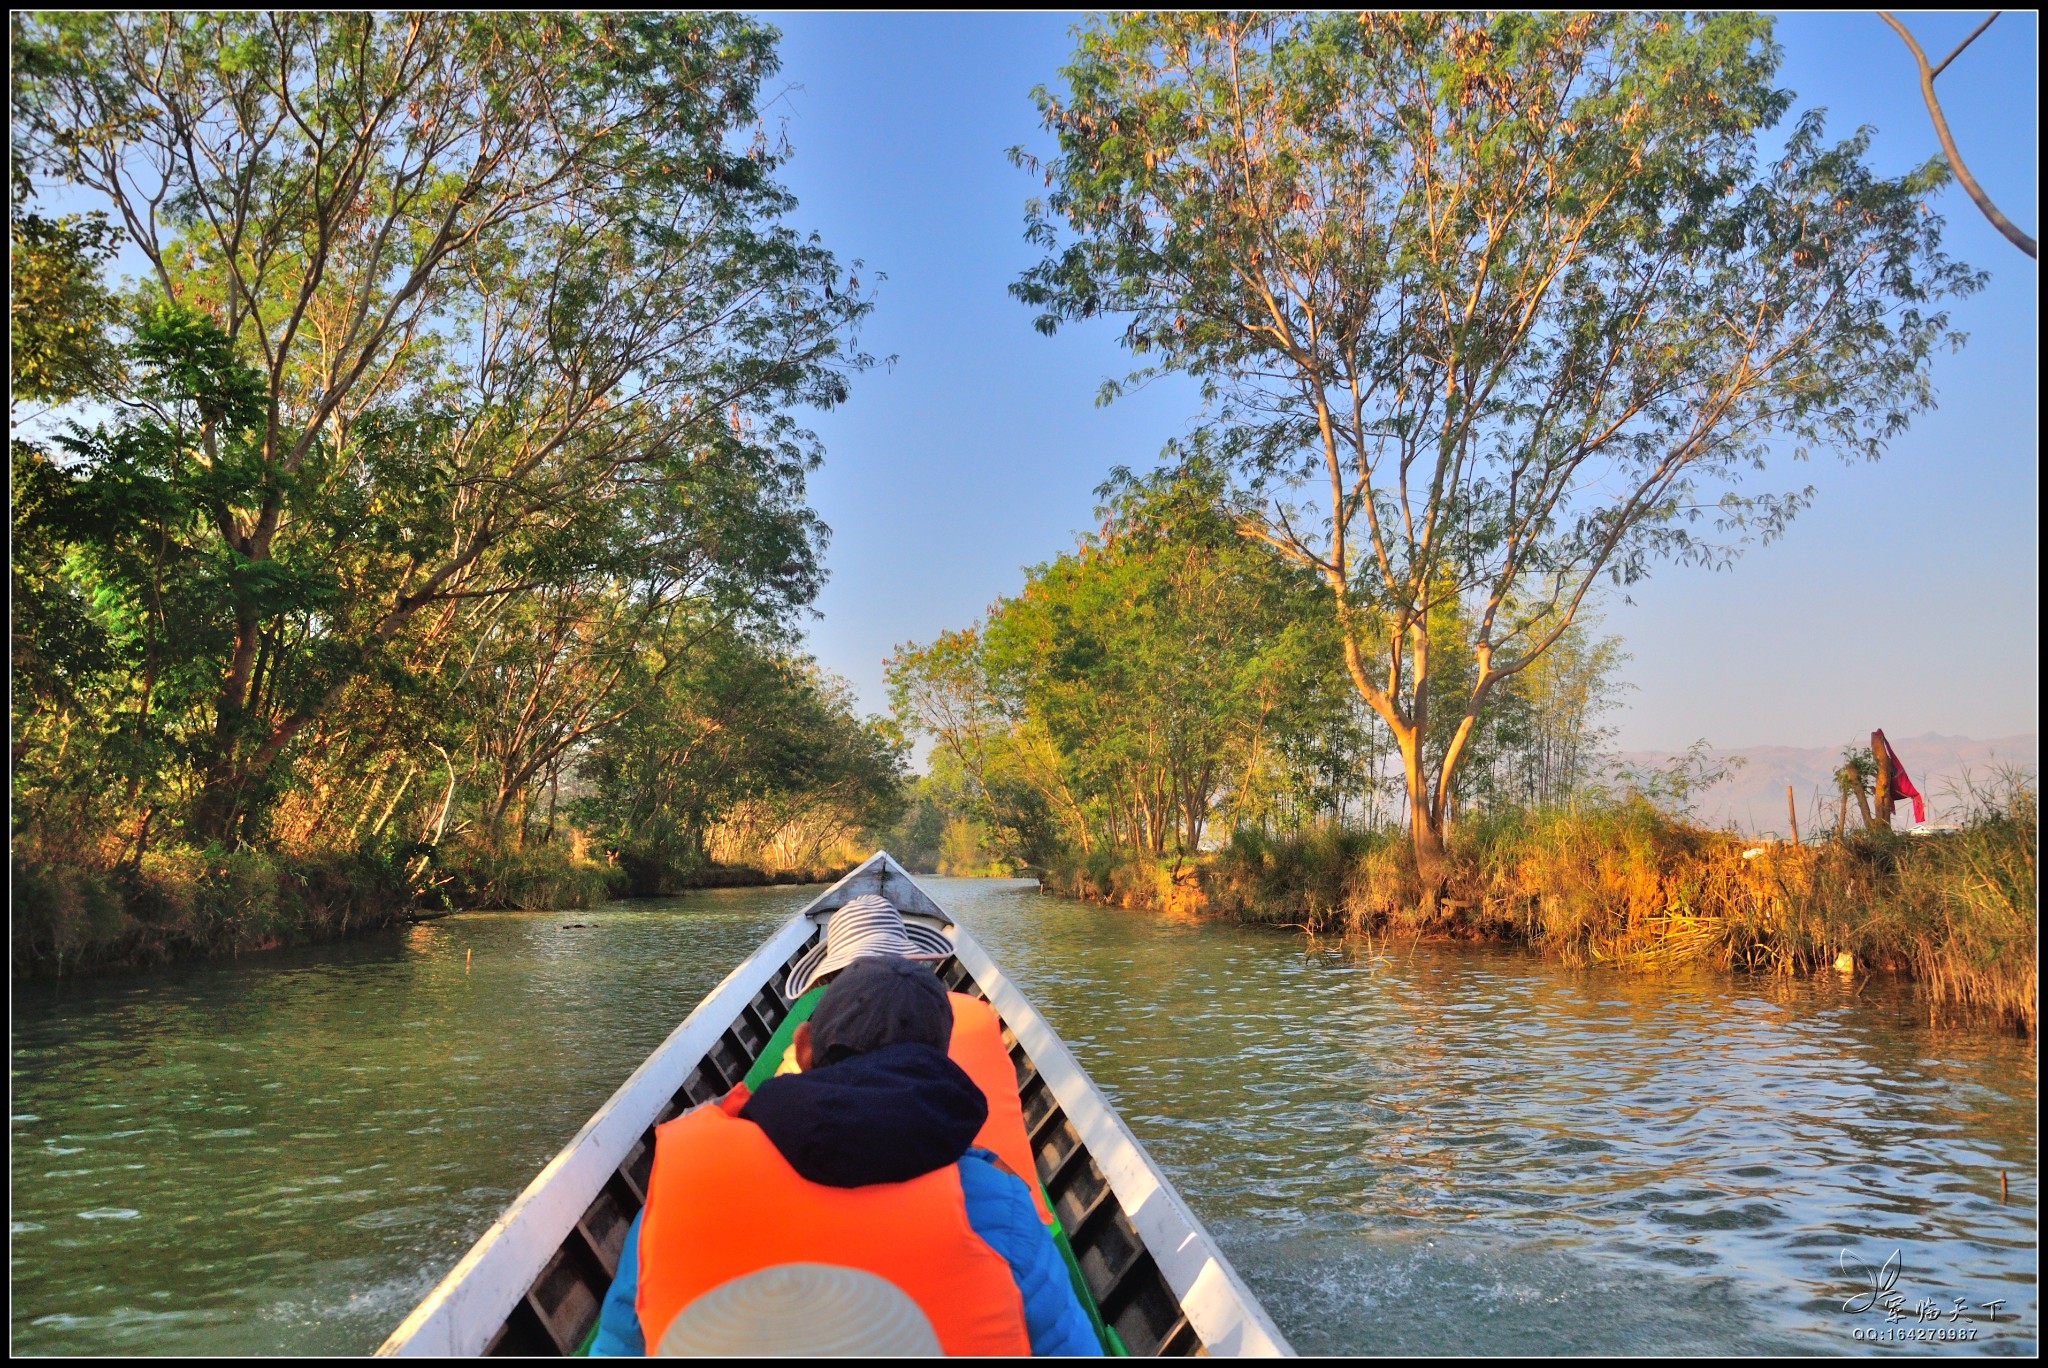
x: 71, y: 915
x: 1624, y: 884
x: 1619, y: 884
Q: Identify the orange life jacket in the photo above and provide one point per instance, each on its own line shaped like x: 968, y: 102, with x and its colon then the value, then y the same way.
x: 722, y: 1202
x: 977, y: 1047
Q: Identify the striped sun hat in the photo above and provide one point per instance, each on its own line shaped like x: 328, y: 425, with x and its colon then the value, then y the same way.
x: 867, y: 925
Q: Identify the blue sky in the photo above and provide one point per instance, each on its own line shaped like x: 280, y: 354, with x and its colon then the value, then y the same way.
x: 1906, y: 598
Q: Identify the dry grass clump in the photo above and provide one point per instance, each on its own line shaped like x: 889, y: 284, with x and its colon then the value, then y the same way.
x: 1123, y: 880
x: 71, y: 913
x: 73, y: 910
x: 1961, y: 909
x: 1627, y: 884
x: 1322, y: 879
x: 1620, y: 881
x: 538, y: 879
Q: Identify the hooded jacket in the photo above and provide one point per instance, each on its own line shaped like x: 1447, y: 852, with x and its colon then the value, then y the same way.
x: 888, y: 1116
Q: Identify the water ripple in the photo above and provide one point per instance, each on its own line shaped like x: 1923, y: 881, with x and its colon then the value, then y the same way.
x: 1552, y: 1138
x: 1446, y: 1150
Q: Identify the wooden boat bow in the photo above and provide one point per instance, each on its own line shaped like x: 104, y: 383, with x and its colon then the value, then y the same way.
x: 535, y: 1280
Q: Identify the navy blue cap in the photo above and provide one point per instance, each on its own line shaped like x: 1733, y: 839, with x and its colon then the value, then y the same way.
x: 880, y: 1000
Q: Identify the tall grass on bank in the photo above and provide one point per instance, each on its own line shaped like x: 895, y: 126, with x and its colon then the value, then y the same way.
x: 1628, y: 884
x: 656, y: 872
x: 1319, y: 880
x: 1622, y: 882
x: 70, y: 915
x: 1325, y: 880
x: 540, y: 878
x: 1964, y: 907
x: 71, y: 912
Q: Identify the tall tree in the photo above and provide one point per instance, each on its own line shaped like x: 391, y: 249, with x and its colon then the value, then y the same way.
x: 490, y: 272
x: 1542, y: 742
x: 1486, y: 307
x: 1159, y: 674
x: 745, y: 745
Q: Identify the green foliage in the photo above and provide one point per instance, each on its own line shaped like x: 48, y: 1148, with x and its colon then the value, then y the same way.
x: 1485, y: 307
x: 440, y: 476
x: 1628, y: 882
x: 967, y: 850
x: 744, y: 753
x: 1160, y: 672
x: 1858, y: 771
x: 1168, y: 676
x: 465, y: 357
x: 1540, y: 742
x: 982, y: 767
x: 917, y: 837
x: 1672, y: 787
x: 61, y: 316
x: 541, y: 879
x: 1618, y: 880
x: 70, y: 916
x: 1299, y: 879
x: 130, y: 605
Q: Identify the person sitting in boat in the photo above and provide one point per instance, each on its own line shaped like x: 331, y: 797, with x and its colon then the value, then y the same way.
x: 869, y: 926
x: 844, y: 1208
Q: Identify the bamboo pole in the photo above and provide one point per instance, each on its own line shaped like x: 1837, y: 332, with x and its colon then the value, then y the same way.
x: 1792, y: 811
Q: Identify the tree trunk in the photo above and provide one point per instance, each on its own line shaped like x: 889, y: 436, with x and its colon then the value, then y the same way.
x: 1883, y: 795
x: 1425, y: 822
x: 214, y: 811
x: 384, y: 817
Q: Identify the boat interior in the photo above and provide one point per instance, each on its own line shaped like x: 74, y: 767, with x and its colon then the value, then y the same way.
x: 558, y: 1314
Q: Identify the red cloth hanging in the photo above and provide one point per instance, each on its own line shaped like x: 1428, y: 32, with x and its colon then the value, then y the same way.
x: 1902, y: 786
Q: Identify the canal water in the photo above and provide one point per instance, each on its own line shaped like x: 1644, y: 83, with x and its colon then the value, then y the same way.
x: 1428, y: 1149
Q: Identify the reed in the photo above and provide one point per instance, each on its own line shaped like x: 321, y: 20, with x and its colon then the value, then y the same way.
x: 540, y: 878
x: 71, y: 915
x: 1314, y: 879
x: 1964, y: 908
x: 1627, y: 884
x: 1619, y: 881
x: 72, y: 911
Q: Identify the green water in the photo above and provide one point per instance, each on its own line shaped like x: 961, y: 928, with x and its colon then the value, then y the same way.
x: 1449, y: 1150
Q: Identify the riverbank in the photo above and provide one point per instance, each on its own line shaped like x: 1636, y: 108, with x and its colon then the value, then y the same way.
x: 1626, y: 884
x: 72, y: 915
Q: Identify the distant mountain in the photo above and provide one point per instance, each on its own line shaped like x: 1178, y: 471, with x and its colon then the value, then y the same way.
x: 1753, y: 797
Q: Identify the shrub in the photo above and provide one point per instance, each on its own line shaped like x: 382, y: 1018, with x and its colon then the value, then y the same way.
x: 538, y: 878
x: 74, y: 914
